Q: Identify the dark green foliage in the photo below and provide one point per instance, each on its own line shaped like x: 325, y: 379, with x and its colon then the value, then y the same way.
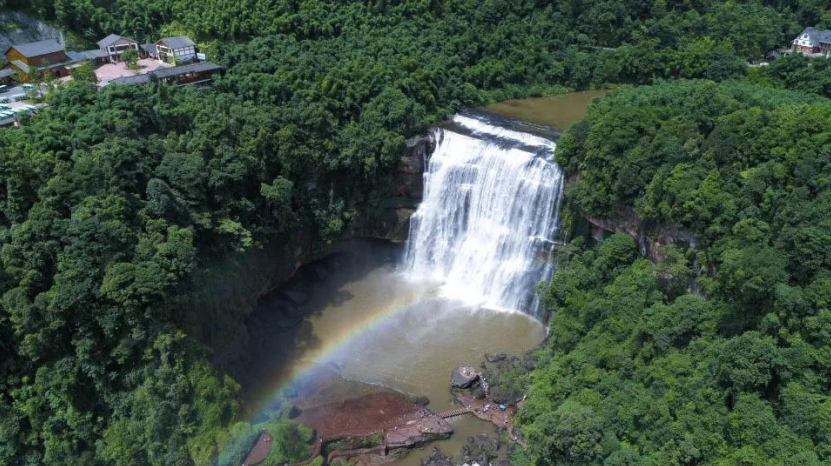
x: 112, y: 201
x: 719, y: 354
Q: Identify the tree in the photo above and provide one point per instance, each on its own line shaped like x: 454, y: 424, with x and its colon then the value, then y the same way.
x: 570, y: 435
x: 130, y: 57
x: 84, y: 73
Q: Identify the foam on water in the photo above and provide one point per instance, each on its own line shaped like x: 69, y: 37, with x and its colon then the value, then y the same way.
x: 489, y: 216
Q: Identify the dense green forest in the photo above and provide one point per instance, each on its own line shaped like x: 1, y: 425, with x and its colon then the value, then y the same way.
x: 720, y: 353
x: 117, y: 202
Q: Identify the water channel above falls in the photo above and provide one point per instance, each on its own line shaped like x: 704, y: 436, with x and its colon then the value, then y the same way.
x: 463, y: 286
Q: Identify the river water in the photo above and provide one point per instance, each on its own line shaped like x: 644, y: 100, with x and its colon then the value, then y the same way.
x: 463, y: 286
x: 559, y: 111
x: 410, y: 340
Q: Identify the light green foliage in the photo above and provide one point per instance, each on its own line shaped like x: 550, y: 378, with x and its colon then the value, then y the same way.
x: 292, y: 441
x: 130, y: 57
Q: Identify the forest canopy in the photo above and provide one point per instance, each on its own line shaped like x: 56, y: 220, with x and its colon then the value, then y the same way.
x: 118, y: 203
x: 718, y: 354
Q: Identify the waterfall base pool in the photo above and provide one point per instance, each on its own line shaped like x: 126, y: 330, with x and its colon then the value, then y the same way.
x: 465, y: 286
x: 377, y: 327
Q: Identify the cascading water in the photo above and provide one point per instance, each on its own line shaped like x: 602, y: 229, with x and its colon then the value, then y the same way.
x: 489, y: 217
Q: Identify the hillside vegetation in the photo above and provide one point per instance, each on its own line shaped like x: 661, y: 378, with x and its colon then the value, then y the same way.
x: 720, y: 354
x: 115, y: 201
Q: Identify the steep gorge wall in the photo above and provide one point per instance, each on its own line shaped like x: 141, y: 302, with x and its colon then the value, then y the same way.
x: 650, y: 236
x: 391, y: 221
x: 244, y: 302
x: 20, y: 28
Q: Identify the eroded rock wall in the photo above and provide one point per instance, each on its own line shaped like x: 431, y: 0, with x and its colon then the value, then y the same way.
x: 391, y: 221
x: 20, y: 28
x: 650, y: 236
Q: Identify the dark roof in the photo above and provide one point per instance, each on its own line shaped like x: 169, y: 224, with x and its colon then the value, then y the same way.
x: 111, y: 39
x: 87, y: 54
x: 816, y: 36
x: 163, y: 73
x: 94, y: 53
x: 149, y: 48
x: 179, y: 42
x: 200, y: 67
x: 58, y: 65
x: 140, y: 79
x: 7, y: 72
x: 36, y: 49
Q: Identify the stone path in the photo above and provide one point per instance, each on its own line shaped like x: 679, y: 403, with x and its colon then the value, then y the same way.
x: 260, y: 450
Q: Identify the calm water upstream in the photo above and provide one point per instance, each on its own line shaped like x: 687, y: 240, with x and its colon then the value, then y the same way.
x: 559, y: 111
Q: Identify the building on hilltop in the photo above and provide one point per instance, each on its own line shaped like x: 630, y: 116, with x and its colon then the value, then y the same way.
x: 175, y: 50
x: 148, y: 51
x: 41, y: 56
x: 6, y: 76
x: 98, y: 57
x: 194, y: 73
x: 813, y: 41
x: 114, y: 45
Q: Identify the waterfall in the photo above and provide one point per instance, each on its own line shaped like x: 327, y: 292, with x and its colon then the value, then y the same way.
x: 489, y: 217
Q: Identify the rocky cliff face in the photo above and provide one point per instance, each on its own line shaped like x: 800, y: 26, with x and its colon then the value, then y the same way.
x: 392, y: 221
x: 650, y: 236
x: 254, y: 298
x: 20, y: 28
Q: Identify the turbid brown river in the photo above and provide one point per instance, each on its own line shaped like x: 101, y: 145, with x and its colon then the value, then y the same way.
x: 559, y: 111
x: 378, y: 327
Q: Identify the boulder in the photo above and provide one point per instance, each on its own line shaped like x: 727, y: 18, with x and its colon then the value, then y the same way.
x: 496, y: 357
x: 437, y: 459
x: 463, y: 377
x: 420, y: 400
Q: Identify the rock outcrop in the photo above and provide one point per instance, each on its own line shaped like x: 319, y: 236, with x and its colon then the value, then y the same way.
x: 481, y: 449
x: 463, y: 377
x: 392, y: 220
x: 650, y: 236
x: 20, y: 28
x: 437, y: 459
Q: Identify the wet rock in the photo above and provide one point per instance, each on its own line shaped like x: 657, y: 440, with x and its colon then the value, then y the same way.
x: 298, y: 297
x: 480, y: 449
x: 463, y: 377
x: 505, y: 396
x: 411, y: 164
x: 421, y: 400
x: 496, y: 357
x: 437, y: 459
x: 320, y: 271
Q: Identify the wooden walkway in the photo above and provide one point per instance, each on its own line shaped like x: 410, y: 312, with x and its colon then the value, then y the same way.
x: 454, y: 413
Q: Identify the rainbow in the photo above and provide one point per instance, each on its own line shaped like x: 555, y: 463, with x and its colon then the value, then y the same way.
x: 309, y: 360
